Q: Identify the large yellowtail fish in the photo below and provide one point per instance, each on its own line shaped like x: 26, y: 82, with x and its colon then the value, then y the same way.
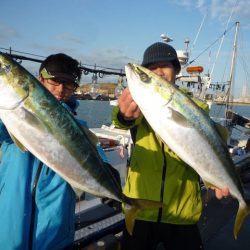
x: 188, y: 131
x: 38, y: 123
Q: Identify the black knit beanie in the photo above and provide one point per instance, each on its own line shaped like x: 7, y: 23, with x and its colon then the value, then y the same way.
x: 161, y: 52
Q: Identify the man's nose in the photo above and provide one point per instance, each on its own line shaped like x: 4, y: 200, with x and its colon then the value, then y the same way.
x: 158, y: 71
x: 60, y: 87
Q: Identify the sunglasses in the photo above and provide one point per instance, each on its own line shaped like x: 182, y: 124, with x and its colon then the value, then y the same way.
x: 67, y: 85
x: 56, y: 81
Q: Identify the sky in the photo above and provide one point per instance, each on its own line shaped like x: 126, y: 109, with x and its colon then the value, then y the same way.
x: 111, y: 33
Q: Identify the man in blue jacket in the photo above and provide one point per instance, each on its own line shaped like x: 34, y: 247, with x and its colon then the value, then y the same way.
x: 37, y: 207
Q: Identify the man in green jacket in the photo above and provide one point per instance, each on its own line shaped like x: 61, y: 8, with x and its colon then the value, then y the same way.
x: 157, y: 173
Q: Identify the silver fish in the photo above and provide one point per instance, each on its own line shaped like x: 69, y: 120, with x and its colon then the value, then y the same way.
x: 188, y: 131
x: 38, y: 123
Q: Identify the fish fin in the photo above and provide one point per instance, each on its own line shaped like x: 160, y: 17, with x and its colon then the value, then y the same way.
x: 92, y: 137
x: 78, y: 191
x: 133, y: 206
x: 179, y: 118
x: 18, y: 143
x: 243, y: 211
x: 130, y: 215
x: 223, y: 131
x: 208, y: 184
x: 34, y: 121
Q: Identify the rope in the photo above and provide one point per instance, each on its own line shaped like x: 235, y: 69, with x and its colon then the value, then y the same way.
x: 222, y: 40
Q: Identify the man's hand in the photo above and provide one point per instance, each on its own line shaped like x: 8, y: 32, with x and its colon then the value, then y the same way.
x: 128, y: 108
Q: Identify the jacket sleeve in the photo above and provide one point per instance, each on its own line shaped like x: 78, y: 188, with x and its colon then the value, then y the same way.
x: 120, y: 122
x: 102, y: 153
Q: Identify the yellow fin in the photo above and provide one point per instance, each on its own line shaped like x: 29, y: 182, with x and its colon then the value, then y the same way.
x: 78, y: 191
x: 224, y: 133
x: 208, y: 185
x: 179, y: 118
x: 32, y: 120
x: 243, y: 211
x: 130, y: 215
x: 133, y: 207
x: 18, y: 143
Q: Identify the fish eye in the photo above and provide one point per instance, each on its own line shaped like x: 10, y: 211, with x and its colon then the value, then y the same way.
x: 144, y: 77
x: 7, y: 68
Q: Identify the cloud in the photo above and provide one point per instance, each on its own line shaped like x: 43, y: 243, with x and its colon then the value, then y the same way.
x: 7, y: 32
x: 45, y: 50
x: 218, y: 9
x: 223, y: 9
x: 113, y: 58
x: 59, y: 46
x: 69, y: 38
x: 189, y: 4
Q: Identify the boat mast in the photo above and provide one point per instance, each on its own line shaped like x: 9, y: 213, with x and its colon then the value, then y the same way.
x: 230, y: 97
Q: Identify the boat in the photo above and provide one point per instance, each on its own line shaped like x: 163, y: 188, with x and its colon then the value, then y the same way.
x: 202, y: 86
x: 100, y: 225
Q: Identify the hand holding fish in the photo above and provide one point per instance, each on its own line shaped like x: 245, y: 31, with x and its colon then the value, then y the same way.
x: 128, y: 108
x: 221, y: 193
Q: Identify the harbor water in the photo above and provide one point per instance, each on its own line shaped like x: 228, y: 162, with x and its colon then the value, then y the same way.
x: 97, y: 113
x: 217, y: 112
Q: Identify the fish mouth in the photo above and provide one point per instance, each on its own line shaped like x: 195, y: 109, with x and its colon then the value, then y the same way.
x: 59, y: 98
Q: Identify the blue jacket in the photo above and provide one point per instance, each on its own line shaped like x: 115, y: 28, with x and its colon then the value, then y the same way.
x: 37, y: 207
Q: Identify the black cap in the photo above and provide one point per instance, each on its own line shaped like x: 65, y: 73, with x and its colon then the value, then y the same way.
x: 161, y: 52
x: 61, y: 67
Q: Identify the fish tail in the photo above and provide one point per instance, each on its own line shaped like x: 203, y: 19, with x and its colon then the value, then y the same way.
x: 133, y: 206
x: 243, y: 211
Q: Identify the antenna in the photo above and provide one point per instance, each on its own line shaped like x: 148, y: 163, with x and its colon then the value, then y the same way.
x: 165, y: 38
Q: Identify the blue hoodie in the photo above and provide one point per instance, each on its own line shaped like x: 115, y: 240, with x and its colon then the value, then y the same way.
x: 37, y: 207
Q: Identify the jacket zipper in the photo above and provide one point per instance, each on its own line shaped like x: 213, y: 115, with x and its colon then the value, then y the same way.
x: 164, y: 170
x: 33, y: 205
